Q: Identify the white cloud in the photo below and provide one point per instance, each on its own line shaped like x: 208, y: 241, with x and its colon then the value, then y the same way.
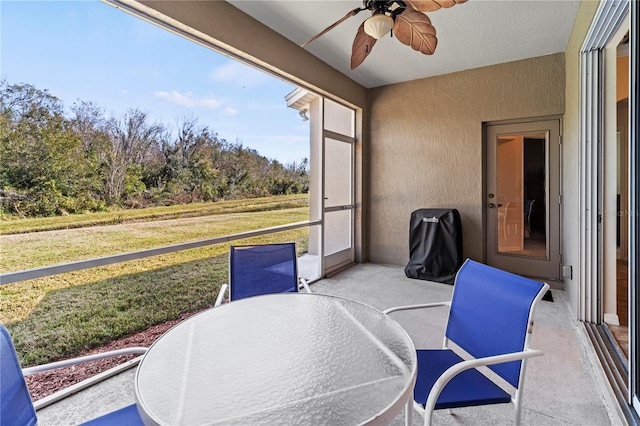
x: 230, y: 111
x: 239, y: 74
x: 188, y: 100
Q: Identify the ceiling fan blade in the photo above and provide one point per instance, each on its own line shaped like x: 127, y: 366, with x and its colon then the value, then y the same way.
x: 414, y: 29
x: 432, y: 5
x: 362, y: 46
x: 351, y: 13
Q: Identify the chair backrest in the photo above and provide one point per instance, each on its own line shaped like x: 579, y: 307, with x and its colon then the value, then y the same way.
x: 528, y: 205
x: 528, y: 208
x: 262, y: 269
x: 16, y: 407
x: 514, y: 212
x: 490, y: 314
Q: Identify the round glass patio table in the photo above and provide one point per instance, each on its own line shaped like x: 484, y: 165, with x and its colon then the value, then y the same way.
x: 279, y: 359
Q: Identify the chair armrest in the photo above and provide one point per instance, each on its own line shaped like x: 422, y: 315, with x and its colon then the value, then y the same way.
x: 63, y: 393
x: 305, y: 285
x: 409, y: 307
x: 458, y: 368
x: 221, y: 293
x: 90, y: 381
x: 83, y: 359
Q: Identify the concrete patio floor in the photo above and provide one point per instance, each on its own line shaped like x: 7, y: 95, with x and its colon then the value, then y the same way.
x: 564, y: 387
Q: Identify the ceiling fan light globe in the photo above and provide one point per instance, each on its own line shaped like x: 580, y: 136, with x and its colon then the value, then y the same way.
x: 378, y: 25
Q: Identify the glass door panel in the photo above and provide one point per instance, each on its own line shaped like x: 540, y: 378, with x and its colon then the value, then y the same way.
x: 338, y: 203
x: 521, y: 195
x: 337, y: 236
x: 523, y: 198
x: 339, y: 119
x: 338, y: 176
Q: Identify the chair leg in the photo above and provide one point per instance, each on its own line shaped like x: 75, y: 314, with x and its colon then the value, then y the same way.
x: 221, y: 293
x: 517, y: 397
x: 516, y: 404
x: 408, y: 413
x: 427, y: 418
x: 426, y: 414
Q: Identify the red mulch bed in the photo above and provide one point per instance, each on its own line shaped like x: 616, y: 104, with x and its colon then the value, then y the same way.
x: 46, y: 383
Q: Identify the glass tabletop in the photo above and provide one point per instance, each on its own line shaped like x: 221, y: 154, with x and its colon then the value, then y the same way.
x: 279, y: 359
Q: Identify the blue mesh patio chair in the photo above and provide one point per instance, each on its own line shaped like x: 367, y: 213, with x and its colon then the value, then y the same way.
x: 262, y: 269
x: 489, y: 324
x: 16, y: 406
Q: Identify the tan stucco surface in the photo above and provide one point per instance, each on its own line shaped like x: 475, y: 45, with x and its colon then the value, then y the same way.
x: 571, y: 151
x: 426, y: 145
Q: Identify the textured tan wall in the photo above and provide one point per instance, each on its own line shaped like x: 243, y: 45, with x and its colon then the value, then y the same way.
x: 571, y: 151
x: 425, y: 147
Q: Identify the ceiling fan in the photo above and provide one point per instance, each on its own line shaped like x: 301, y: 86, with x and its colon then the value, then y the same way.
x: 405, y: 18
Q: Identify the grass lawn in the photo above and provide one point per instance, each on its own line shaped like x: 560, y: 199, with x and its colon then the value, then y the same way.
x: 59, y: 316
x: 12, y: 225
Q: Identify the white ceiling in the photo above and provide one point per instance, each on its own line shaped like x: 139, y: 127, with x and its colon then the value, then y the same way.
x: 470, y: 35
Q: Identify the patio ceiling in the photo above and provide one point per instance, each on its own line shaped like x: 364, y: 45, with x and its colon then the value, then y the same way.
x: 471, y: 35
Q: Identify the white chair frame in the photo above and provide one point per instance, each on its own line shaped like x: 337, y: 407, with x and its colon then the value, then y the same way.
x: 516, y: 399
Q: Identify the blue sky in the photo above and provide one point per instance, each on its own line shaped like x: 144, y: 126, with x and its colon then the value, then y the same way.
x: 90, y: 51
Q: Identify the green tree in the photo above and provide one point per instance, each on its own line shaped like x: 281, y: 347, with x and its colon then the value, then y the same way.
x: 132, y: 142
x: 51, y: 164
x: 41, y: 158
x: 189, y: 162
